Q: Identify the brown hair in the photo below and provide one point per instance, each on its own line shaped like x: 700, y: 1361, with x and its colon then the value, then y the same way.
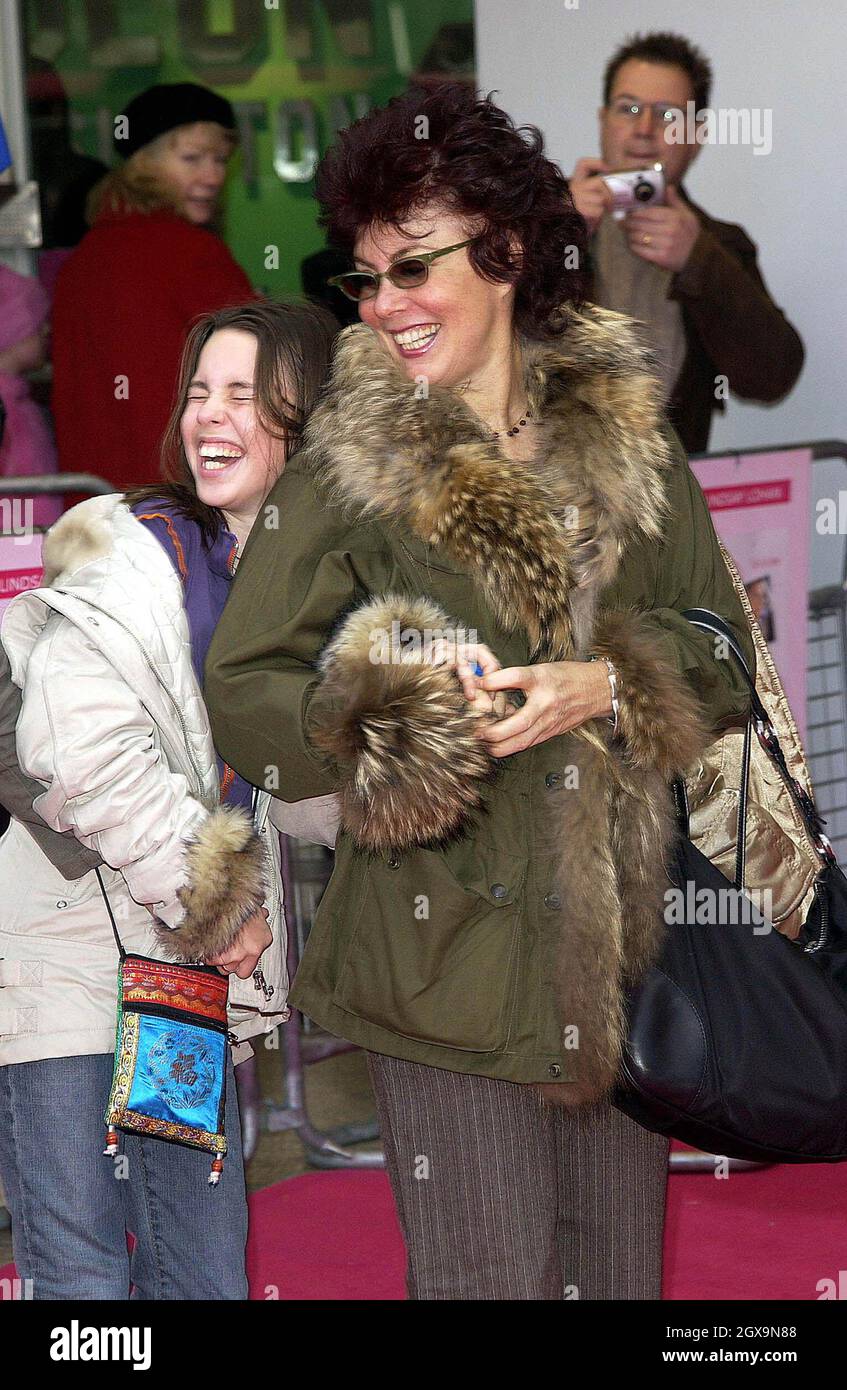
x: 671, y: 49
x: 295, y: 341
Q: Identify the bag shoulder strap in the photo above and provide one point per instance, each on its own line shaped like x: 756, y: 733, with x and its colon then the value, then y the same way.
x: 712, y: 622
x: 768, y: 738
x: 121, y: 952
x: 767, y: 678
x: 118, y: 942
x: 704, y: 617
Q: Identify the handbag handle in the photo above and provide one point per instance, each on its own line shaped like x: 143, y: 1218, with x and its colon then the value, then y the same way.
x: 759, y: 719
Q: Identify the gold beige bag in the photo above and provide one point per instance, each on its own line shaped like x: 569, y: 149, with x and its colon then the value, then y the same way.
x: 781, y: 855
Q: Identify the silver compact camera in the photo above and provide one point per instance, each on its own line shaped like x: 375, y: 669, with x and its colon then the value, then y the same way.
x: 631, y: 188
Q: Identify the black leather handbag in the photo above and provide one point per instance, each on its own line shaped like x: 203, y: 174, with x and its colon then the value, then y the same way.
x: 737, y: 1038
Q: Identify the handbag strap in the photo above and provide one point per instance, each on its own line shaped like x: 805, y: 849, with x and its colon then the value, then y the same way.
x: 118, y: 942
x: 759, y: 719
x: 705, y: 618
x: 743, y: 798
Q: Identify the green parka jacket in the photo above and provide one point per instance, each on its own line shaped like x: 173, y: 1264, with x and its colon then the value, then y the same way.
x: 483, y: 915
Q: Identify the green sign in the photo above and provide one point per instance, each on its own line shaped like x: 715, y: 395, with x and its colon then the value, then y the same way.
x: 295, y: 71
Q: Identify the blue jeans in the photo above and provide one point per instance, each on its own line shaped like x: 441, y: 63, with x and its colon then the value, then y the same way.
x: 71, y: 1206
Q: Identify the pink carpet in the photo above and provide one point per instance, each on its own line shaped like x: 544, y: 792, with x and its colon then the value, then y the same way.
x: 763, y: 1233
x: 326, y: 1235
x: 768, y: 1233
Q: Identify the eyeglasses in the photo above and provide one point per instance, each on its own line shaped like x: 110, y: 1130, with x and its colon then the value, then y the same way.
x: 631, y: 110
x: 405, y: 274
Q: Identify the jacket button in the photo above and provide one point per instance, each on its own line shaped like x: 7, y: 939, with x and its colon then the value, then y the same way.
x: 61, y: 903
x: 552, y: 900
x: 553, y: 779
x: 554, y: 1069
x: 499, y: 890
x: 394, y: 861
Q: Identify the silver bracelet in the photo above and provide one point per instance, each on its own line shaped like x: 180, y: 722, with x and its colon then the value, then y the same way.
x: 613, y: 683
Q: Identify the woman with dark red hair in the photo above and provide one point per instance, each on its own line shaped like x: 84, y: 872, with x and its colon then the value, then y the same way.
x: 488, y: 498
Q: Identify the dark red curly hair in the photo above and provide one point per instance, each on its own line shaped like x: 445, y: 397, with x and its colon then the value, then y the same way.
x: 468, y: 156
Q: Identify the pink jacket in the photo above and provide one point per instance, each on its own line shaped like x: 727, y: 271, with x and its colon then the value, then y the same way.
x: 27, y: 445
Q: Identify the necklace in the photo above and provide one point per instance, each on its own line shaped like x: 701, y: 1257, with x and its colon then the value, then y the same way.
x: 527, y: 415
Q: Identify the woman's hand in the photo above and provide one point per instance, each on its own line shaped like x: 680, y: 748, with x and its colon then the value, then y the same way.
x: 242, y: 957
x: 463, y: 657
x: 560, y: 695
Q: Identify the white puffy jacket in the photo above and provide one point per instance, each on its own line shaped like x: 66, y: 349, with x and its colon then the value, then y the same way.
x: 114, y: 727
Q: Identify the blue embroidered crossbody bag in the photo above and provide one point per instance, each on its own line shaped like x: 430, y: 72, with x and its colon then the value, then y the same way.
x: 169, y: 1079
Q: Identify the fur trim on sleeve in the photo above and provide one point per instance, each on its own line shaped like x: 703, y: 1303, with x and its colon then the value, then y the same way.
x: 398, y: 727
x: 226, y: 884
x: 661, y: 720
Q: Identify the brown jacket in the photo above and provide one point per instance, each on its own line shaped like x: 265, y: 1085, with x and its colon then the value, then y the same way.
x: 732, y: 329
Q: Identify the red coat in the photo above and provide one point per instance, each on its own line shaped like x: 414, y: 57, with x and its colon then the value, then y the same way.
x: 124, y: 301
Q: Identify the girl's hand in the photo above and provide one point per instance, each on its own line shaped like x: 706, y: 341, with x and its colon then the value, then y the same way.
x: 560, y: 695
x: 242, y: 957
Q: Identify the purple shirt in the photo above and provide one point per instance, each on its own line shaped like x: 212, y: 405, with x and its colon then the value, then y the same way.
x: 206, y: 576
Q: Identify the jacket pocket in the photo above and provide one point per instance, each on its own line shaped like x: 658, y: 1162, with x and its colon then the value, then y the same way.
x: 433, y: 953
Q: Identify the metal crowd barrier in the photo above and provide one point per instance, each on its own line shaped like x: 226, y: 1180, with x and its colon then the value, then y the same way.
x: 48, y: 484
x: 305, y: 873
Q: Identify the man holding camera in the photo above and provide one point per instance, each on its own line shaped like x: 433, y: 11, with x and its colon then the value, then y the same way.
x: 691, y: 280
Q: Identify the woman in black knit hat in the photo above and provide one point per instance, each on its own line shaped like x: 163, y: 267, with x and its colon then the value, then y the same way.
x: 149, y: 265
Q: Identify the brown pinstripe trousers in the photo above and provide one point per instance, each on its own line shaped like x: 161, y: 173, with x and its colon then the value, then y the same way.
x: 501, y: 1196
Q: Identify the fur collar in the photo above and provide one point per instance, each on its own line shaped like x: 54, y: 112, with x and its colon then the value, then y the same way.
x: 82, y: 535
x: 540, y: 539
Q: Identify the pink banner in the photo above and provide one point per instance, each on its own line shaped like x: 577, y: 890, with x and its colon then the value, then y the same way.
x: 760, y: 507
x: 20, y: 565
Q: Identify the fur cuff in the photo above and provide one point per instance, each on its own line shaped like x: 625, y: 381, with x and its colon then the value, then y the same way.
x: 226, y: 884
x: 398, y: 727
x: 660, y: 721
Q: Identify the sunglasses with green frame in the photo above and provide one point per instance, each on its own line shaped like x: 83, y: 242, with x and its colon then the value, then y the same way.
x: 406, y: 274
